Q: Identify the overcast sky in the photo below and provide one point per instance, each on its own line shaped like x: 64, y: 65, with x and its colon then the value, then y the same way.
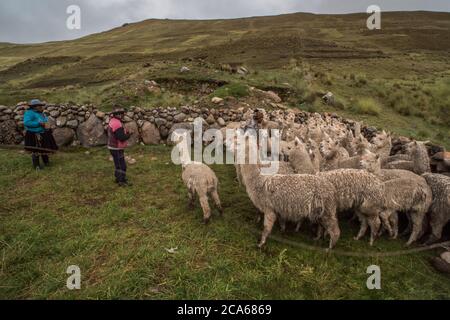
x: 26, y: 21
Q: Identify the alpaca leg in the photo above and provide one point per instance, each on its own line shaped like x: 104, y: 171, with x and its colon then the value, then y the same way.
x: 333, y: 230
x: 386, y: 223
x: 206, y: 209
x: 437, y: 227
x: 299, y: 225
x: 269, y: 220
x: 393, y: 219
x: 191, y: 204
x: 375, y: 224
x: 282, y: 223
x: 363, y: 229
x: 417, y: 222
x: 320, y: 232
x: 216, y: 200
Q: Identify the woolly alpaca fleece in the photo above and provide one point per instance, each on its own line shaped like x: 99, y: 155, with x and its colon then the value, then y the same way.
x: 300, y: 159
x: 406, y: 195
x: 201, y: 181
x: 420, y: 162
x: 292, y: 198
x: 382, y: 144
x: 372, y: 163
x: 332, y: 154
x: 362, y: 191
x: 440, y: 208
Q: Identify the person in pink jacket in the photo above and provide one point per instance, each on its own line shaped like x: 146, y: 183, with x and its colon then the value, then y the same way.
x: 117, y: 142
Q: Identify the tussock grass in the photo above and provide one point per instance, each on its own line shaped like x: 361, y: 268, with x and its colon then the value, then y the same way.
x: 367, y: 106
x: 72, y: 213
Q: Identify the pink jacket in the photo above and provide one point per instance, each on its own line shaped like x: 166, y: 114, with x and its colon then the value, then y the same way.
x: 113, y: 142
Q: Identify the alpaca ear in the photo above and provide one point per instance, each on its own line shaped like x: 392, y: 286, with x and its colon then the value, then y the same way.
x: 377, y: 157
x: 297, y: 141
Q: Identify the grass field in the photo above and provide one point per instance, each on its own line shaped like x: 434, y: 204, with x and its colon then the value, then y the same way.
x: 73, y: 214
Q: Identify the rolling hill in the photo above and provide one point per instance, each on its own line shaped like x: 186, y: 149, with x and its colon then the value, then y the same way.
x: 402, y: 69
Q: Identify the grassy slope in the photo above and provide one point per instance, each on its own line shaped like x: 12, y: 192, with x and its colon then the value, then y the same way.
x: 118, y: 237
x: 407, y: 59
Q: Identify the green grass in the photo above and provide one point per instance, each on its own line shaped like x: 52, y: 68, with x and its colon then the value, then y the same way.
x: 237, y: 90
x: 367, y: 106
x: 73, y: 214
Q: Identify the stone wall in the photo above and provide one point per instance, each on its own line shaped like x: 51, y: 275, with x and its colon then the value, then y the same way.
x: 87, y: 125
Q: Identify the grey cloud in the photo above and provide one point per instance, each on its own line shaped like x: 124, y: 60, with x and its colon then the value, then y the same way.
x: 23, y: 21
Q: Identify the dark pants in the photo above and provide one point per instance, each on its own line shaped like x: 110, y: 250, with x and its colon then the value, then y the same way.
x: 36, y: 162
x: 120, y: 164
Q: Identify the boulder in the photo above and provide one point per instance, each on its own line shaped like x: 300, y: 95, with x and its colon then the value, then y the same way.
x: 329, y: 99
x: 55, y: 114
x: 61, y: 121
x: 210, y: 119
x: 100, y: 115
x: 133, y: 129
x: 221, y: 122
x: 181, y: 117
x: 72, y: 124
x: 185, y: 126
x: 64, y: 136
x: 184, y: 69
x: 216, y: 100
x: 150, y: 134
x: 160, y: 122
x: 91, y: 133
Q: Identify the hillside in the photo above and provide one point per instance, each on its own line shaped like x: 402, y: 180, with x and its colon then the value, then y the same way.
x: 396, y: 78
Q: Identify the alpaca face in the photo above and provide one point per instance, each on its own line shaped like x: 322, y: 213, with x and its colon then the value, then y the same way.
x: 327, y: 147
x: 370, y: 162
x: 381, y: 140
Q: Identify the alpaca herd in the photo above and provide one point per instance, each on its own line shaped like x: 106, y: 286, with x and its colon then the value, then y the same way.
x: 328, y: 167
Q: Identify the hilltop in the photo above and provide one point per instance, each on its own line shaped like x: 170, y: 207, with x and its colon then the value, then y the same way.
x: 396, y: 78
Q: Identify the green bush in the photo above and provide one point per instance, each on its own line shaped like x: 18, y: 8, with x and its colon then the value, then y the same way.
x: 236, y: 90
x: 367, y: 106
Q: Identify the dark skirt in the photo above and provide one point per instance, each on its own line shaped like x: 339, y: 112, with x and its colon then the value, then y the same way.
x: 42, y: 143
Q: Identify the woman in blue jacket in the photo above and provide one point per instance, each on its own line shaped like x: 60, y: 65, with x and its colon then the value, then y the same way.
x: 39, y: 139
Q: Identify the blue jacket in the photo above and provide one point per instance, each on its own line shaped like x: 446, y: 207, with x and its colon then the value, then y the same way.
x: 32, y: 121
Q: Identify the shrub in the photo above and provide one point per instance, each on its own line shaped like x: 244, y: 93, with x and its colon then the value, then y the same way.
x: 236, y: 90
x: 367, y: 106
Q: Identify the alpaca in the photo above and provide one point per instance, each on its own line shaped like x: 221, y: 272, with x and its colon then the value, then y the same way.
x: 300, y: 159
x: 332, y: 153
x: 420, y: 161
x: 201, y: 181
x: 382, y: 144
x: 292, y: 198
x: 361, y: 191
x: 411, y: 196
x: 440, y: 208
